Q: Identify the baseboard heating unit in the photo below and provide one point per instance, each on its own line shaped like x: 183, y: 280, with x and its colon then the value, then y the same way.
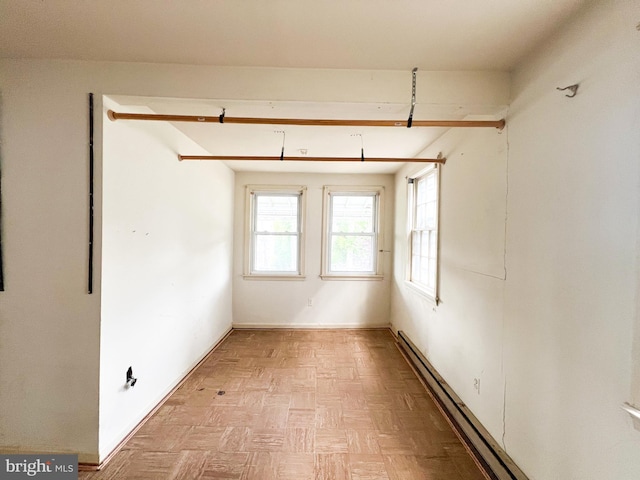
x: 487, y: 451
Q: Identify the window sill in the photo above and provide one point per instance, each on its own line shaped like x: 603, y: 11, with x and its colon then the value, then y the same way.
x: 351, y: 277
x: 421, y: 291
x: 272, y: 277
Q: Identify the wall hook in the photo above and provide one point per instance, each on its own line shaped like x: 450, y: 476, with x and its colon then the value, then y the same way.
x: 572, y: 88
x: 131, y: 380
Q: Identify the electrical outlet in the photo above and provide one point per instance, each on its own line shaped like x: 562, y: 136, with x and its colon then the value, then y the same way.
x: 476, y: 385
x: 310, y: 302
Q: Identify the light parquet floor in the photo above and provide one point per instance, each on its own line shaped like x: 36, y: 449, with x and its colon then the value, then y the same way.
x: 297, y: 405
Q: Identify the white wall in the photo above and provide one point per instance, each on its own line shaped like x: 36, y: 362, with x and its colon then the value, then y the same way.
x: 462, y: 336
x: 552, y: 344
x: 335, y: 303
x: 49, y: 330
x: 166, y: 267
x: 49, y: 327
x: 572, y: 250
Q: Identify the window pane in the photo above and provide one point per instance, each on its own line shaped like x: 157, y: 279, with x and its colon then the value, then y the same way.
x: 424, y: 244
x: 430, y: 215
x: 424, y: 252
x: 415, y: 268
x: 431, y: 281
x: 352, y: 213
x: 421, y: 196
x: 424, y: 270
x: 276, y: 213
x: 431, y: 188
x: 352, y: 253
x: 421, y: 221
x: 433, y: 247
x: 415, y: 243
x: 275, y: 253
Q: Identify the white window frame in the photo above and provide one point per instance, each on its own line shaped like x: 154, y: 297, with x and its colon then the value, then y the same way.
x: 378, y: 193
x: 250, y: 233
x: 431, y: 292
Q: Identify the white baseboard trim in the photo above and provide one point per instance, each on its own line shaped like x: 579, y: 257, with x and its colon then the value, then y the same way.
x: 308, y: 326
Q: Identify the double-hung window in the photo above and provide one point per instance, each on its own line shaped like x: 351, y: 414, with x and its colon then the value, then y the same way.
x: 423, y: 209
x: 275, y: 231
x: 352, y: 232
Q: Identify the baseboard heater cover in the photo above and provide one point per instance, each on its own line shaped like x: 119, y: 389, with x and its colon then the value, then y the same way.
x: 501, y: 466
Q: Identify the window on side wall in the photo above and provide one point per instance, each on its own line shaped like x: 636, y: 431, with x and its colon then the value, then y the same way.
x: 274, y: 232
x: 423, y: 202
x: 352, y: 238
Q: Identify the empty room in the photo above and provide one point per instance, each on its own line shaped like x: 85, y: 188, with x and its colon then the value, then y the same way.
x: 320, y: 240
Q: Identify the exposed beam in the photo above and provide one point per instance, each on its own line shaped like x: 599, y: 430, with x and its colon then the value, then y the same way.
x: 312, y: 159
x: 499, y: 124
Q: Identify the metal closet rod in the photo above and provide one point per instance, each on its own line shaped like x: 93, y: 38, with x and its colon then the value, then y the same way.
x: 312, y: 159
x: 499, y: 124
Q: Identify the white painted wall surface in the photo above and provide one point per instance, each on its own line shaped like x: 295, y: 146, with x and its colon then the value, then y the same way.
x: 49, y: 327
x: 552, y: 344
x: 166, y: 267
x: 572, y: 251
x: 462, y: 336
x: 49, y: 330
x: 335, y: 303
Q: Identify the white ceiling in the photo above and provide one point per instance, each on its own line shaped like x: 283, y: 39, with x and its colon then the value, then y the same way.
x: 352, y: 34
x: 454, y: 35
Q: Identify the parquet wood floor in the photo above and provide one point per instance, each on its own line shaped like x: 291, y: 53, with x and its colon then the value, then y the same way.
x: 297, y: 405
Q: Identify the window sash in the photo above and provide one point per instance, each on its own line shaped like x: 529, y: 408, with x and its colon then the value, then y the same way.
x: 351, y: 238
x: 353, y: 263
x: 423, y: 242
x: 264, y: 258
x: 423, y: 258
x: 267, y: 242
x: 363, y: 239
